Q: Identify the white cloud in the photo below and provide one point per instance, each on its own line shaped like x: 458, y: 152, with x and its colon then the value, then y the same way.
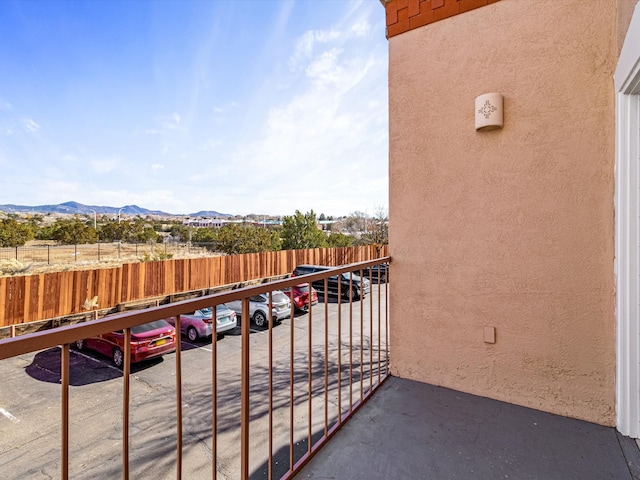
x: 4, y: 105
x: 211, y: 145
x: 30, y: 125
x: 166, y: 149
x: 170, y: 122
x: 306, y: 45
x: 157, y: 166
x: 102, y: 166
x: 325, y: 68
x: 361, y: 28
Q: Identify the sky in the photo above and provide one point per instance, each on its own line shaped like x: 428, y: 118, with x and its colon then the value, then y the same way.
x: 237, y: 106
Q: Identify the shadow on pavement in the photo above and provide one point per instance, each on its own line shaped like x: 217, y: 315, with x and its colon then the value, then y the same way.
x: 84, y: 367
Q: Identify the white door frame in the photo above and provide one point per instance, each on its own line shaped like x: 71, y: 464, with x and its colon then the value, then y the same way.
x: 627, y: 242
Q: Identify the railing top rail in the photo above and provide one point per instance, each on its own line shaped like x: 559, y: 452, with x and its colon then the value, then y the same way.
x: 68, y: 334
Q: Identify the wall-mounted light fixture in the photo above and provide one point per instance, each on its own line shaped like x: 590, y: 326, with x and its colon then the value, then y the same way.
x: 489, y: 112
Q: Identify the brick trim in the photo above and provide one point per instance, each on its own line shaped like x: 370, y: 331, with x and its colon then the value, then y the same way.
x: 405, y: 15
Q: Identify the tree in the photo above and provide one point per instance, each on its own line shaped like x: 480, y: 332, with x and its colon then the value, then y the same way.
x: 181, y: 232
x: 276, y: 239
x: 356, y: 223
x: 380, y: 227
x: 339, y: 240
x: 114, y: 231
x: 70, y: 232
x: 145, y: 234
x: 14, y: 234
x: 301, y: 231
x: 204, y: 235
x: 142, y: 232
x: 234, y: 239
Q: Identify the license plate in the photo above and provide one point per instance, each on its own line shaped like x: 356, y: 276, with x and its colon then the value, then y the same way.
x: 162, y: 341
x: 223, y: 320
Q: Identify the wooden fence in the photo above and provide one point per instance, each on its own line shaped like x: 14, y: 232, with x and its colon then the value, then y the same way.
x: 36, y: 297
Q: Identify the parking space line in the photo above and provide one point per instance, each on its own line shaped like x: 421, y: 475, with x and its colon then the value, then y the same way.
x: 195, y: 345
x: 9, y: 416
x: 97, y: 360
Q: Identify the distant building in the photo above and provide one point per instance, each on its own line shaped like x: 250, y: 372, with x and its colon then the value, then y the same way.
x: 203, y: 222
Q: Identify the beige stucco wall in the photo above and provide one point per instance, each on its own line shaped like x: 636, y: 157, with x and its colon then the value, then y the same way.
x: 511, y: 228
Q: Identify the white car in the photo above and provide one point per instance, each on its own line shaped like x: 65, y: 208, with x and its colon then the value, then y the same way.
x: 259, y: 307
x: 199, y: 324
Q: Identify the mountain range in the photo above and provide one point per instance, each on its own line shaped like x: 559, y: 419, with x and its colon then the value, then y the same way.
x: 75, y: 208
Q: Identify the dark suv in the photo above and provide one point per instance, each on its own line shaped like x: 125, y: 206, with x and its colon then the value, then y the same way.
x: 361, y: 286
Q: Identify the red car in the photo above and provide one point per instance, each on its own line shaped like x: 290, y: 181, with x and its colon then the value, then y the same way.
x: 301, y: 296
x: 147, y: 341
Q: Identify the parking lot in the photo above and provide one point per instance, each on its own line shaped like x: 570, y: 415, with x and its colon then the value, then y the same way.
x: 30, y: 399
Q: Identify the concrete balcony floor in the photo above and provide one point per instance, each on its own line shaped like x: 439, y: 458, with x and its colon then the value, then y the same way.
x: 410, y: 430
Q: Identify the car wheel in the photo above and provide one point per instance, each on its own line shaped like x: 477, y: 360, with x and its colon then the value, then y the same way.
x: 260, y: 319
x: 192, y: 334
x: 349, y: 294
x: 118, y: 357
x: 79, y: 344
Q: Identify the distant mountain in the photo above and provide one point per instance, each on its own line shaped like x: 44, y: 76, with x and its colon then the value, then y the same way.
x: 75, y: 208
x: 209, y: 214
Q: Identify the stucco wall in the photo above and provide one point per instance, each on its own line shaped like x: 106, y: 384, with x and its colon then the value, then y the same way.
x: 511, y: 228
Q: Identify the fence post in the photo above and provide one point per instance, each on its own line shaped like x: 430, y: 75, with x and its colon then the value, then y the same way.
x: 98, y: 250
x: 48, y: 254
x: 136, y: 244
x: 119, y: 243
x: 16, y: 253
x: 75, y: 252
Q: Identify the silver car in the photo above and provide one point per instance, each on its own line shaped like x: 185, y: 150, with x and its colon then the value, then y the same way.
x: 259, y: 307
x: 199, y: 325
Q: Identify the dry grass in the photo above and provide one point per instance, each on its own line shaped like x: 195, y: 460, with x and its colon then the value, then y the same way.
x: 42, y: 258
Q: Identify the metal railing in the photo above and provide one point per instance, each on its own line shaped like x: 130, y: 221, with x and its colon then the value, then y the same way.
x: 339, y: 359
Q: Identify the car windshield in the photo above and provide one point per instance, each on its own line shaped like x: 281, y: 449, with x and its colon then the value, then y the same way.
x: 147, y: 327
x: 279, y: 297
x: 355, y: 277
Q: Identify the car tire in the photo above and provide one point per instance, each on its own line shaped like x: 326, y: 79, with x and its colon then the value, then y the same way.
x: 192, y: 334
x: 118, y: 357
x: 260, y: 319
x: 79, y: 344
x: 350, y: 294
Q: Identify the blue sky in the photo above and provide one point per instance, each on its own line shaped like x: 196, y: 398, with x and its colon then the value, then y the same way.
x: 239, y: 106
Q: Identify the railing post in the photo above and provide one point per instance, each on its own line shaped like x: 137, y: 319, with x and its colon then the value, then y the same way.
x: 179, y: 392
x: 64, y: 380
x: 244, y: 415
x: 214, y: 399
x: 125, y: 403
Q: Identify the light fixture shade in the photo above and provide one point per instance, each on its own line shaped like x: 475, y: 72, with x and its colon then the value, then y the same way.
x: 489, y: 112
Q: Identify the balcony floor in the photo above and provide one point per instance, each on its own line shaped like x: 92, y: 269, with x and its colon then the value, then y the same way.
x: 414, y: 430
